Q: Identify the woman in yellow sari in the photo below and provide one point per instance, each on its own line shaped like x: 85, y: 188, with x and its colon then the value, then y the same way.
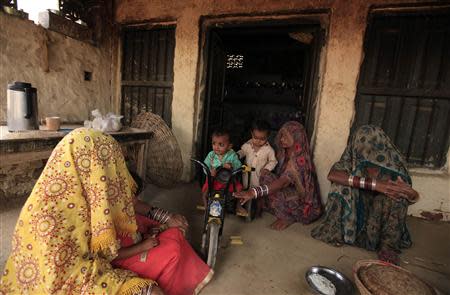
x: 70, y: 228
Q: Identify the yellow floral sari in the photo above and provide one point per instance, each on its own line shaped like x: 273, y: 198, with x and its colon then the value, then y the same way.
x: 66, y: 234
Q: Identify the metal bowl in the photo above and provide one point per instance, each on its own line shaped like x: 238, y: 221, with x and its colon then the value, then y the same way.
x: 343, y: 285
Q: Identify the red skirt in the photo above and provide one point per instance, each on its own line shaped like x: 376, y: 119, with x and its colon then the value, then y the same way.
x: 173, y: 264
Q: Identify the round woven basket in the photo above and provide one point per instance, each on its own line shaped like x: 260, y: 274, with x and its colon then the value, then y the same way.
x: 164, y: 162
x: 392, y: 270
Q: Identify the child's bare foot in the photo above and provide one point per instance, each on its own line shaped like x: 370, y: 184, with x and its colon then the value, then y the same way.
x: 240, y: 211
x: 280, y: 224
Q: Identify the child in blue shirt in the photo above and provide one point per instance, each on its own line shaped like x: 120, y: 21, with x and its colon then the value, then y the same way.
x: 222, y: 155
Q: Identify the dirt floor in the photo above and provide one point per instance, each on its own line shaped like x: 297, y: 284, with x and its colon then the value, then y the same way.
x: 273, y: 262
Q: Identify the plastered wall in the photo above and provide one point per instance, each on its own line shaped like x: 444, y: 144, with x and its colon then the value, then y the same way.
x: 55, y: 65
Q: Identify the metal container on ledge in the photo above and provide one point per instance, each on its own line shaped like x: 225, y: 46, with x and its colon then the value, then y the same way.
x: 22, y: 107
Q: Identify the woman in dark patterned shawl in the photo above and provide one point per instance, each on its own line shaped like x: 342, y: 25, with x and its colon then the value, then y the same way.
x: 375, y: 218
x: 293, y: 190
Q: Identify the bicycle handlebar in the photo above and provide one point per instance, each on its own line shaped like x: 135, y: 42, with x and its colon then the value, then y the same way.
x: 243, y: 168
x: 205, y: 168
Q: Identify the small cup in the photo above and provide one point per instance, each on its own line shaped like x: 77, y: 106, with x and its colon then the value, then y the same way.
x: 52, y: 123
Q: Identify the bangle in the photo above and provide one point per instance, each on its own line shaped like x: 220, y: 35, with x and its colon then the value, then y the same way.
x: 255, y: 193
x: 266, y: 190
x: 158, y: 214
x: 149, y: 213
x: 362, y: 181
x: 368, y: 183
x: 149, y: 288
x: 167, y: 218
x: 350, y: 180
x: 260, y: 191
x: 373, y: 184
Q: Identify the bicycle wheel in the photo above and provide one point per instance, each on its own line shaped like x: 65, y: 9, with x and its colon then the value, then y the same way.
x: 212, y: 243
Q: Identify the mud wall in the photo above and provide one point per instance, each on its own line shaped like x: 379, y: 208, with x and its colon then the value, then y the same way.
x: 340, y: 61
x: 55, y: 65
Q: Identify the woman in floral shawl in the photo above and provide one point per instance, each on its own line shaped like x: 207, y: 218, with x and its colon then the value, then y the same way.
x: 74, y: 224
x: 293, y: 189
x: 373, y: 218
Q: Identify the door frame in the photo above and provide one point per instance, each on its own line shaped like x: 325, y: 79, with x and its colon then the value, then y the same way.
x: 313, y: 18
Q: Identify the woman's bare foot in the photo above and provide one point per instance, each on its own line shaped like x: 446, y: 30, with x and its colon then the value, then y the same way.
x: 280, y: 224
x: 272, y: 226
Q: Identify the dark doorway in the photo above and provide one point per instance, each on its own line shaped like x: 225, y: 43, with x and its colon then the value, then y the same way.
x: 404, y: 85
x: 260, y: 73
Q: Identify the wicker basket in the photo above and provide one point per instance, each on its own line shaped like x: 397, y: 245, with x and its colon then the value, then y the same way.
x: 164, y: 162
x: 379, y: 289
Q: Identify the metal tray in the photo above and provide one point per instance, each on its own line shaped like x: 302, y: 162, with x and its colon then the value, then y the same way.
x: 343, y: 285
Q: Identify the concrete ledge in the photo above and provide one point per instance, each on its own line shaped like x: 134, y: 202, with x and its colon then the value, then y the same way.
x: 60, y: 24
x: 442, y: 172
x: 14, y: 12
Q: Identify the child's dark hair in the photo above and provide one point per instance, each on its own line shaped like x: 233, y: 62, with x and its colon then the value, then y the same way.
x: 221, y: 132
x: 261, y: 125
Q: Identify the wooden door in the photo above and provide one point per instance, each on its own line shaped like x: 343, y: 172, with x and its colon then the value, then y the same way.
x: 213, y: 113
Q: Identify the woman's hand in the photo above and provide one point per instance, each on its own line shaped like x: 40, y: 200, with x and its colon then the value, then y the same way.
x: 213, y: 172
x: 244, y: 196
x: 146, y: 244
x: 386, y: 188
x: 177, y: 220
x: 227, y: 165
x: 397, y: 189
x: 405, y: 190
x: 149, y: 243
x: 264, y: 172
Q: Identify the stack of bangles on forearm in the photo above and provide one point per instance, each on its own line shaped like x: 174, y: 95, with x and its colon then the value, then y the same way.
x: 158, y: 214
x: 362, y: 182
x: 260, y: 191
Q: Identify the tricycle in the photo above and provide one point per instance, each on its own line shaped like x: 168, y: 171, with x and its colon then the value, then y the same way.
x: 219, y: 200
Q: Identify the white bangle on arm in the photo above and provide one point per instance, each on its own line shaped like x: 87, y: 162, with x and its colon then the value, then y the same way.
x: 260, y: 191
x: 158, y: 214
x: 255, y: 193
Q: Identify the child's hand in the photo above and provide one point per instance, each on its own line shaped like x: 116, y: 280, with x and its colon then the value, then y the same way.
x: 227, y: 165
x: 264, y: 172
x: 213, y: 172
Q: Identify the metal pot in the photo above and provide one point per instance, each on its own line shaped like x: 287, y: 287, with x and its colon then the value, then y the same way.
x: 22, y: 107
